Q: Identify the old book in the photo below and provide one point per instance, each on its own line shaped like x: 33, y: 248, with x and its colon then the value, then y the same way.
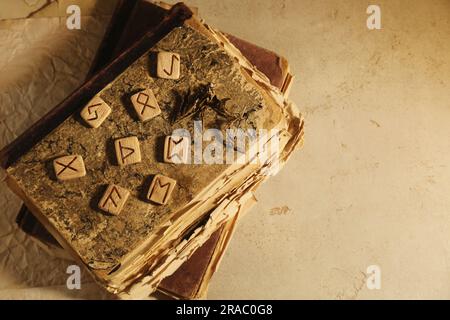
x: 120, y: 268
x: 191, y: 279
x: 263, y: 54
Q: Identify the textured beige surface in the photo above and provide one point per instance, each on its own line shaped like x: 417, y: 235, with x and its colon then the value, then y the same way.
x: 372, y: 184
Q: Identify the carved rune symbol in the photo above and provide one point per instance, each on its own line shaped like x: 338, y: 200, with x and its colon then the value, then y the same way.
x: 124, y: 155
x: 174, y: 59
x: 163, y: 187
x: 176, y: 149
x: 127, y: 151
x: 66, y: 166
x: 69, y: 167
x: 168, y: 65
x: 160, y: 189
x: 113, y: 199
x: 144, y: 104
x: 110, y: 197
x: 94, y: 106
x: 95, y: 112
x: 173, y: 150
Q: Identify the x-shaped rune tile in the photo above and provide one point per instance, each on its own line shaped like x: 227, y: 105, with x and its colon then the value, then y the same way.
x: 69, y: 167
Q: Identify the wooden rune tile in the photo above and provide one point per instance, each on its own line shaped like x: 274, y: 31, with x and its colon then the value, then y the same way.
x: 95, y: 112
x: 69, y: 167
x: 176, y: 149
x: 146, y: 105
x: 113, y: 199
x: 161, y: 189
x: 168, y: 65
x: 127, y: 151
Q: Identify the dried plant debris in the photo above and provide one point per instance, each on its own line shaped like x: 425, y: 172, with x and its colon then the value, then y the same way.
x: 195, y: 102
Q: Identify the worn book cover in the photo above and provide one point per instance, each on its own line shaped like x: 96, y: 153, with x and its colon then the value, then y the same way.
x: 214, y: 88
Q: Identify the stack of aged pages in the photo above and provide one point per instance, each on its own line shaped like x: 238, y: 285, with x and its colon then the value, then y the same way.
x: 141, y: 174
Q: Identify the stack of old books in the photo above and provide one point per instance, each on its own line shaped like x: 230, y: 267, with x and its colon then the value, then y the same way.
x: 142, y: 173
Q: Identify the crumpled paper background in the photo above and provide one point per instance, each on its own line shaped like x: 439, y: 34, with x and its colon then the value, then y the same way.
x: 41, y: 62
